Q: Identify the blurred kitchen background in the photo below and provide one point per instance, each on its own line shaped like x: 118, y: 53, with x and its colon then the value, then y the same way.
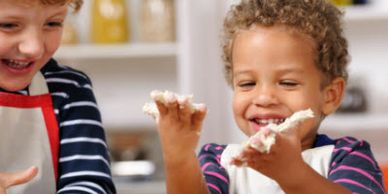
x: 131, y: 47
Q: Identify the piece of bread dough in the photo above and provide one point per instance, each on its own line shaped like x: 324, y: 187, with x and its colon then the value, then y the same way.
x: 264, y: 139
x: 165, y: 97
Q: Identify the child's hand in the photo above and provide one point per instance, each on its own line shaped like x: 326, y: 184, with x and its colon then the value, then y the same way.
x: 179, y: 128
x: 16, y: 178
x: 281, y: 163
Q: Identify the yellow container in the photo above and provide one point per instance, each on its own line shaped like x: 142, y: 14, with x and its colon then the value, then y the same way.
x: 342, y: 2
x: 109, y: 22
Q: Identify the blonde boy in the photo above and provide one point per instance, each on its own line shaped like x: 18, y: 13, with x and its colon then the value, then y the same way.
x: 48, y: 115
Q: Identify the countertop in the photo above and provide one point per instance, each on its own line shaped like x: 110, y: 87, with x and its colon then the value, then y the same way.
x: 141, y: 187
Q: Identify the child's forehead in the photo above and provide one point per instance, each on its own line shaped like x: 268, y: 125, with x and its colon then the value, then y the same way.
x: 276, y: 30
x: 31, y: 9
x: 26, y: 2
x: 273, y: 45
x: 38, y: 2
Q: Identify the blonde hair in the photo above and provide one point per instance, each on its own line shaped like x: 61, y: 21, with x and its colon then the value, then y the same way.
x: 75, y: 4
x: 317, y: 19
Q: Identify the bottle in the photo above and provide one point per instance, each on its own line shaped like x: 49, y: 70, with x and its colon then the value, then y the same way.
x: 157, y: 21
x: 109, y: 21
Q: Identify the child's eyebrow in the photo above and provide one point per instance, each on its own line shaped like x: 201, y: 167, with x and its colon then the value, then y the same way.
x: 10, y: 17
x: 240, y: 72
x: 59, y: 13
x: 290, y: 70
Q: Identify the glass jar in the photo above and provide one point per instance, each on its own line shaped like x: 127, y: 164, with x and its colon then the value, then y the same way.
x: 157, y: 21
x: 109, y: 21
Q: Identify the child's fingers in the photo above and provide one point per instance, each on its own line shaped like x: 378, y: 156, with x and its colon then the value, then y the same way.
x: 290, y: 134
x: 249, y: 152
x: 185, y: 112
x: 292, y: 130
x: 21, y: 177
x: 255, y: 159
x: 198, y: 117
x: 248, y: 157
x: 238, y: 162
x: 173, y: 108
x: 161, y: 107
x: 256, y: 164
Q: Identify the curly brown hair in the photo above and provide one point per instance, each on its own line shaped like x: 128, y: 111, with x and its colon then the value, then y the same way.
x: 317, y: 19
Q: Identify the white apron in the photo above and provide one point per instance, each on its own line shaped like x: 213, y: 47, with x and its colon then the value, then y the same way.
x: 29, y: 136
x: 244, y: 180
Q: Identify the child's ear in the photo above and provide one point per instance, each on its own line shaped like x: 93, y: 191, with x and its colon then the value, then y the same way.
x: 333, y: 94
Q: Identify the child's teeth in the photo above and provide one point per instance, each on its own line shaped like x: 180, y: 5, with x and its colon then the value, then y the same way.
x: 17, y: 64
x: 268, y: 121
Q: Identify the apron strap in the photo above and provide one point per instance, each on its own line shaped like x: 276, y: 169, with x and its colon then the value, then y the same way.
x: 38, y: 85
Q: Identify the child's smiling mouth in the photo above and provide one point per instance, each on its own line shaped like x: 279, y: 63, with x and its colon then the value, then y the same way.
x: 268, y: 121
x: 258, y: 123
x: 16, y: 65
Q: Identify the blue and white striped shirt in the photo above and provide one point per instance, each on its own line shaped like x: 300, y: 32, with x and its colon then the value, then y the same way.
x: 83, y: 165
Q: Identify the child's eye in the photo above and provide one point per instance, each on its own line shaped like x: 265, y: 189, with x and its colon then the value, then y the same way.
x: 54, y: 24
x: 8, y: 26
x: 289, y: 83
x: 248, y: 84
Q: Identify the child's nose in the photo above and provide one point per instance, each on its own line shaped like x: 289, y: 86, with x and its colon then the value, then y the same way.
x: 264, y: 96
x: 32, y: 46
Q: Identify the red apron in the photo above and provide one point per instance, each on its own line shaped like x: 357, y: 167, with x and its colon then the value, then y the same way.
x: 29, y: 135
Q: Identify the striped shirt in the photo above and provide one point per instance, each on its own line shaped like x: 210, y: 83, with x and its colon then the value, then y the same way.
x: 84, y: 165
x: 352, y: 165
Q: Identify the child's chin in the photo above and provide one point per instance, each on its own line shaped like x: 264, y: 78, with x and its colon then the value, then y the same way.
x: 15, y: 86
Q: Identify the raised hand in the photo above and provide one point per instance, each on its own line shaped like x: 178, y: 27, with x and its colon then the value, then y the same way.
x: 283, y: 159
x: 9, y: 179
x: 179, y: 127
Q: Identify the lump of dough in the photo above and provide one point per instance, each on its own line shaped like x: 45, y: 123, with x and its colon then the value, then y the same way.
x: 165, y: 97
x: 264, y: 139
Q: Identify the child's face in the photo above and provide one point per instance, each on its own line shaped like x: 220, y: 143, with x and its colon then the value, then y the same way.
x: 30, y: 33
x: 274, y: 76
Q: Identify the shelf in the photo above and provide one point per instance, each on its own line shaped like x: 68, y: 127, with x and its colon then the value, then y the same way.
x: 99, y: 51
x: 365, y: 13
x: 360, y: 121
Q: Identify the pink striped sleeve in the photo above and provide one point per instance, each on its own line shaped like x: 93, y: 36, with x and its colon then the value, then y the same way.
x: 218, y: 175
x: 214, y: 187
x: 360, y: 171
x: 354, y: 166
x: 349, y: 181
x: 361, y: 155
